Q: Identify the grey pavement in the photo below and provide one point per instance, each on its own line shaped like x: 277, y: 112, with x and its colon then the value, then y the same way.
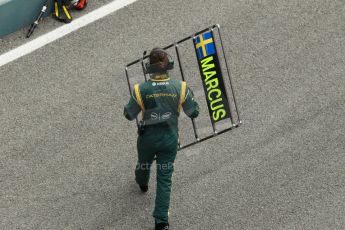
x: 67, y: 154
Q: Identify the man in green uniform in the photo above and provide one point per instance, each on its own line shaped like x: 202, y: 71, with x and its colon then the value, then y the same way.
x: 160, y: 100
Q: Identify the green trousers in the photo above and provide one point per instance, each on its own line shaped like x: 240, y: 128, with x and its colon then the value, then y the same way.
x: 161, y: 143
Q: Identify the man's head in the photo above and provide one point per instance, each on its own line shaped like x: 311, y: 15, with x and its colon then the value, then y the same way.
x: 158, y: 57
x: 159, y: 61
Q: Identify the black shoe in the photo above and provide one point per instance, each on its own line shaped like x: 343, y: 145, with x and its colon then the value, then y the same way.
x: 162, y: 226
x: 144, y: 188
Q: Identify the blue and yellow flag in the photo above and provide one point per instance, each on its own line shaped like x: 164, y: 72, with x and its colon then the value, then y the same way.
x: 204, y: 44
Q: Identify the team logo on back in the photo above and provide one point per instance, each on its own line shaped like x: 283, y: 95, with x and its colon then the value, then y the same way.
x: 160, y: 83
x: 154, y: 116
x: 166, y: 115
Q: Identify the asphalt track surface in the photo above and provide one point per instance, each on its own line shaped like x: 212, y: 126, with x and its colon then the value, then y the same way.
x: 67, y: 154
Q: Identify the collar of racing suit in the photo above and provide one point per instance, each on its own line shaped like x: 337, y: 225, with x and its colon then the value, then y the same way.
x: 160, y: 77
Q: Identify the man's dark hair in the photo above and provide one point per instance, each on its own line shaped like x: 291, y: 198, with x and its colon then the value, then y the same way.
x: 159, y: 58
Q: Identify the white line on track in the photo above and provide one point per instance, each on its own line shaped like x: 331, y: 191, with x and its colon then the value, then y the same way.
x: 63, y: 30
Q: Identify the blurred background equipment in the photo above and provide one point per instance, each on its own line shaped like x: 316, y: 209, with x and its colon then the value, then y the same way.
x: 79, y: 4
x: 61, y: 11
x: 35, y: 23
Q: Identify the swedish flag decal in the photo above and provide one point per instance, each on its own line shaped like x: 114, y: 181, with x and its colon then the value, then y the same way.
x: 204, y: 45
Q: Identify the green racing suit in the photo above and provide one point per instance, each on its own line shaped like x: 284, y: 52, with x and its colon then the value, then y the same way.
x: 160, y: 101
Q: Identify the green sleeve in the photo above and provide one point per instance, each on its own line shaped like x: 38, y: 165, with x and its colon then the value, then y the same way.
x: 190, y: 106
x: 132, y: 109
